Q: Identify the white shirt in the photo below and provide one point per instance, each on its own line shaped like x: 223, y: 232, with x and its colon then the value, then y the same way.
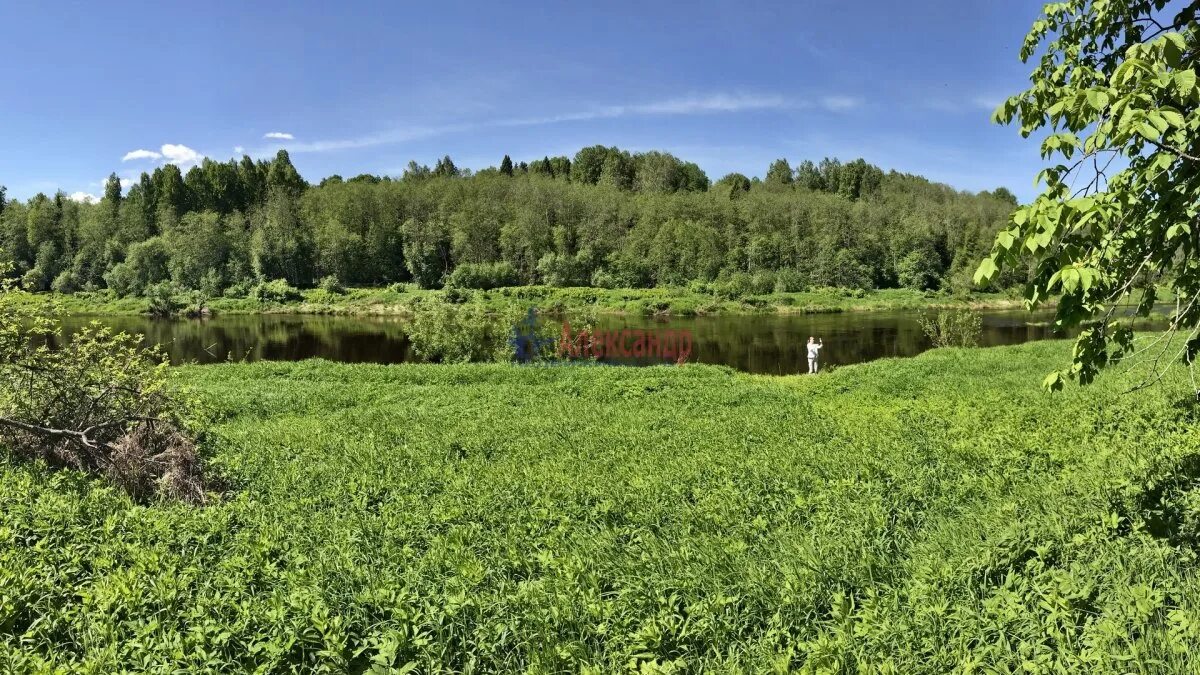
x: 813, y: 348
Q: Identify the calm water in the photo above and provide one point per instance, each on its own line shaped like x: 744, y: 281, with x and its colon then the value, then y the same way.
x: 757, y: 344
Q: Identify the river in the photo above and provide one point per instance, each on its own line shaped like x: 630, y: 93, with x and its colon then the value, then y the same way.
x: 769, y: 344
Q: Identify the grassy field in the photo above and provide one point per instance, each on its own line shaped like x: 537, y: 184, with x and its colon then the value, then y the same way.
x: 401, y: 299
x: 930, y: 515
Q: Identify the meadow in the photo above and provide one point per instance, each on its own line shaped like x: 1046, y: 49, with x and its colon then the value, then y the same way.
x: 929, y: 515
x: 404, y: 299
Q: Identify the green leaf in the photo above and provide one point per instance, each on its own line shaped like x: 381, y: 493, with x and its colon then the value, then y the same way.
x: 987, y: 270
x: 1097, y: 99
x: 1174, y: 47
x: 1005, y: 240
x: 1053, y: 382
x: 1173, y: 118
x: 1185, y: 82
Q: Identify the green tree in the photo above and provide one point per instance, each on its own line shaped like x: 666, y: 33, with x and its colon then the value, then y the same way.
x: 281, y: 246
x: 1115, y: 85
x: 112, y: 196
x: 734, y: 185
x: 283, y: 176
x: 589, y: 164
x: 445, y: 168
x: 506, y: 166
x: 197, y: 245
x: 171, y: 195
x: 779, y: 173
x: 808, y: 176
x: 657, y: 172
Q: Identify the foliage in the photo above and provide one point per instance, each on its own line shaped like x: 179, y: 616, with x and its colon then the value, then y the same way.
x: 444, y: 332
x: 98, y: 403
x: 605, y: 217
x: 163, y: 299
x: 891, y: 517
x: 1115, y: 85
x: 484, y: 276
x: 952, y: 328
x: 276, y: 290
x: 331, y: 284
x: 697, y: 298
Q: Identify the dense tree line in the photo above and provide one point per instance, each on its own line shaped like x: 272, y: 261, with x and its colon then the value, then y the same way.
x: 605, y: 217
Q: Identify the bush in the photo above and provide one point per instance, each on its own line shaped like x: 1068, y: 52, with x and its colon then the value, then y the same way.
x: 602, y: 278
x: 762, y: 282
x: 441, y: 332
x: 239, y: 289
x: 99, y: 403
x: 64, y: 283
x: 121, y: 280
x: 483, y: 276
x: 953, y: 328
x: 34, y: 280
x: 563, y: 271
x: 737, y: 286
x: 331, y: 284
x: 789, y: 280
x: 164, y: 299
x: 455, y: 295
x: 919, y: 270
x: 277, y: 290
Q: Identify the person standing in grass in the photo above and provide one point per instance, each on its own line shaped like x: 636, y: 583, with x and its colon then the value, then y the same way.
x: 814, y: 352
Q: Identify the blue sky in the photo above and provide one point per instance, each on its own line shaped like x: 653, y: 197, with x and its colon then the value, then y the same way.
x: 354, y: 88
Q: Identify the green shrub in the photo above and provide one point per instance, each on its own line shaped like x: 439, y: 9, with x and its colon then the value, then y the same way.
x: 455, y: 295
x: 277, y: 291
x: 762, y: 282
x: 164, y: 299
x: 603, y: 278
x: 952, y: 328
x: 331, y: 284
x: 441, y: 332
x: 65, y: 283
x: 96, y: 402
x: 736, y: 286
x: 485, y: 276
x: 789, y: 280
x: 238, y: 289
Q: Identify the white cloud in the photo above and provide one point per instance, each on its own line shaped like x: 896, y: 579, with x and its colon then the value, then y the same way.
x: 180, y: 154
x: 988, y: 103
x: 126, y: 183
x: 840, y: 103
x: 279, y: 135
x: 171, y: 153
x: 84, y: 198
x: 237, y: 150
x: 694, y: 105
x: 141, y: 154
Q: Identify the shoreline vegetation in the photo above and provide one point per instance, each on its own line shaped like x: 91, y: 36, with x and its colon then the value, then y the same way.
x: 405, y: 299
x: 405, y: 518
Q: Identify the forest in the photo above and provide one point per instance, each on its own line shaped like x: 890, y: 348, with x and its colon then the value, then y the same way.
x: 604, y: 218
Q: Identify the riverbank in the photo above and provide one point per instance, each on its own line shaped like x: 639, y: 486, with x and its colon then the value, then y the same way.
x: 905, y: 515
x: 403, y: 299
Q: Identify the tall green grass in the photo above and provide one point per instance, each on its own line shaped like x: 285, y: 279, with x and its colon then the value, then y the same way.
x: 931, y: 515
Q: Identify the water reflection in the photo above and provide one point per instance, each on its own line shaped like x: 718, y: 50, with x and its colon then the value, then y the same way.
x: 769, y: 344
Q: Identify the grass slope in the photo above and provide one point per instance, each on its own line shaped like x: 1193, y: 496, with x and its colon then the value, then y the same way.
x: 928, y: 515
x: 401, y: 299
